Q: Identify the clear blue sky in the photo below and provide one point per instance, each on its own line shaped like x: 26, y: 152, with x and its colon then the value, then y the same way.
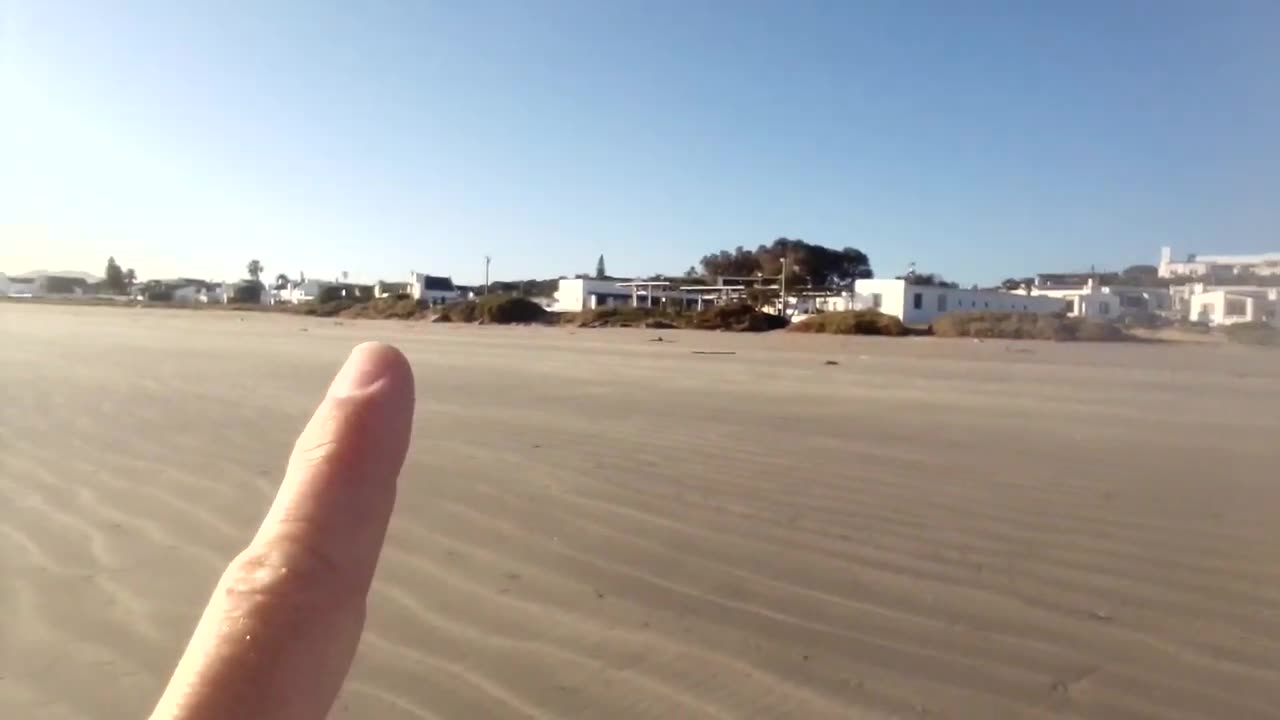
x: 979, y: 139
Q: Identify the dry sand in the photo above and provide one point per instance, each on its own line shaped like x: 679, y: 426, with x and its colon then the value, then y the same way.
x: 592, y: 525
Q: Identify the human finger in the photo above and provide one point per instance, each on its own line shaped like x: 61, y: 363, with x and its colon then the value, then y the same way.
x: 281, y: 629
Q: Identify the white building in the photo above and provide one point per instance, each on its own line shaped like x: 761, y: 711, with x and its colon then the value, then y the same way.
x: 920, y: 304
x: 1231, y: 305
x: 1106, y: 301
x: 579, y: 294
x: 432, y: 289
x: 18, y: 287
x: 1218, y: 266
x: 43, y: 285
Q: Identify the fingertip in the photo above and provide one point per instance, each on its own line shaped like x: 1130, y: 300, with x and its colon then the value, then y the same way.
x: 371, y: 364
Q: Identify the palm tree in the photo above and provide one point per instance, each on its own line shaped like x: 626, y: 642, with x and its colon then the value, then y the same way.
x: 255, y: 269
x: 282, y: 281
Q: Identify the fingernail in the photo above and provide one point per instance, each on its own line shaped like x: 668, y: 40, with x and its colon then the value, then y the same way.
x: 359, y: 373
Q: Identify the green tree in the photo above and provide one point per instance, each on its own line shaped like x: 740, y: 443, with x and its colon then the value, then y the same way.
x: 115, y: 277
x: 809, y: 264
x: 919, y: 278
x: 130, y: 278
x: 1141, y: 275
x: 282, y: 282
x: 600, y: 272
x: 254, y: 269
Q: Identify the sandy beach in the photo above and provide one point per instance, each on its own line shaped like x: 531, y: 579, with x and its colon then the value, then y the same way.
x: 595, y: 525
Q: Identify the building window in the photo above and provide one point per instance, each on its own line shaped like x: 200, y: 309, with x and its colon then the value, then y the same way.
x: 917, y: 301
x: 1236, y: 307
x: 876, y: 300
x: 942, y: 302
x: 986, y: 304
x: 1104, y: 308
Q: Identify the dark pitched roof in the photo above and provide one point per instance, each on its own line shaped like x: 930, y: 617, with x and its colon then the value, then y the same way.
x: 313, y: 287
x: 441, y: 284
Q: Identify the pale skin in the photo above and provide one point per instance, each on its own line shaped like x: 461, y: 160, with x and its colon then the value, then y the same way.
x: 278, y: 636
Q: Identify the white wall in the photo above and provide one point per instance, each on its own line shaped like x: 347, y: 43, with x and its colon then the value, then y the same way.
x: 438, y: 297
x: 883, y: 295
x: 578, y: 294
x: 920, y: 304
x: 419, y: 291
x: 1106, y: 302
x: 22, y: 288
x: 570, y: 295
x: 1218, y: 265
x: 1212, y: 307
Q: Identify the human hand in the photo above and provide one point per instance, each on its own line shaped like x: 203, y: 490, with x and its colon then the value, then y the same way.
x: 280, y: 632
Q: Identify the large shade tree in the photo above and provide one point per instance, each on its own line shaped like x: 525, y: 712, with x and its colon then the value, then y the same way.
x: 807, y: 263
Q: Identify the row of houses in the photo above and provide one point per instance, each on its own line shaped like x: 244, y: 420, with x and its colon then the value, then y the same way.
x: 914, y: 304
x: 1218, y: 268
x: 432, y: 289
x: 1212, y: 293
x: 917, y: 304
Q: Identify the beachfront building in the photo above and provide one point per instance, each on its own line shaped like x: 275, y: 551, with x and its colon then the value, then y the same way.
x: 1217, y: 267
x: 1104, y: 302
x: 579, y: 294
x: 920, y: 304
x: 1232, y: 305
x: 44, y: 285
x: 433, y: 289
x: 430, y: 289
x: 324, y: 291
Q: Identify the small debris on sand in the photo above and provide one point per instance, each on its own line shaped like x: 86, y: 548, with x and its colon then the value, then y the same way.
x: 1100, y: 615
x: 831, y: 362
x: 713, y: 352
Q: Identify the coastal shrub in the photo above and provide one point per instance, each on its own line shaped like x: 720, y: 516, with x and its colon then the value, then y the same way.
x: 1253, y: 333
x: 498, y: 310
x: 627, y: 316
x: 737, y: 317
x: 405, y: 308
x: 1025, y: 326
x: 852, y: 322
x: 331, y: 308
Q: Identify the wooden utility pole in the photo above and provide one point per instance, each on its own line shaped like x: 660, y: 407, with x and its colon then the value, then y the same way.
x: 782, y: 301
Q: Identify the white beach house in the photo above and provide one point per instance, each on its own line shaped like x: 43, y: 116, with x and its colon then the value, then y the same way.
x: 578, y: 294
x: 920, y: 304
x: 1218, y: 266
